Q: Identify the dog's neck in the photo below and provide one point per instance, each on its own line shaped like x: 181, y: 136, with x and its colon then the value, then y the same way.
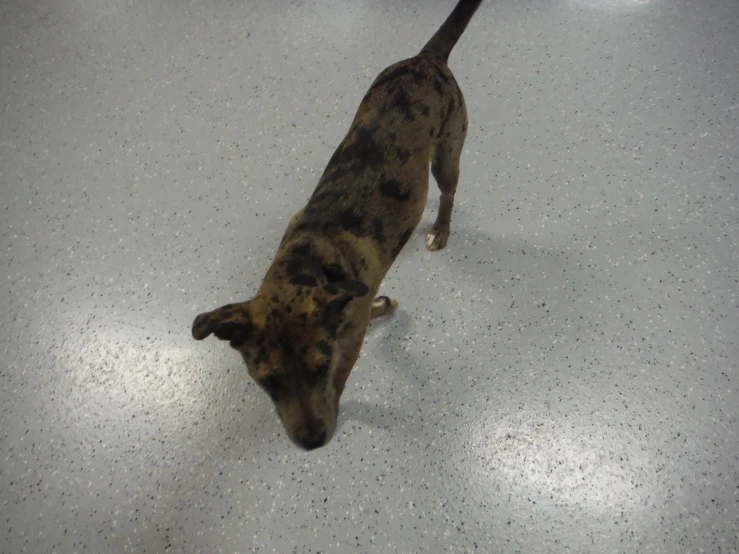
x: 320, y: 257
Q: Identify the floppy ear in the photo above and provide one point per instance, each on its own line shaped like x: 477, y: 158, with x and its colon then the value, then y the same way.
x: 231, y: 322
x: 342, y: 292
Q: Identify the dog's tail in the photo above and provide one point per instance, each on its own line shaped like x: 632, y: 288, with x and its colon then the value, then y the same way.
x: 446, y: 37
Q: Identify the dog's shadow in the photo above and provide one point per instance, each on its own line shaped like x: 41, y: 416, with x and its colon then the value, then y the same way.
x: 503, y: 283
x: 372, y: 415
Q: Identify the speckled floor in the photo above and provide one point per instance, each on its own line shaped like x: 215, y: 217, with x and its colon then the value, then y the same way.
x: 563, y: 378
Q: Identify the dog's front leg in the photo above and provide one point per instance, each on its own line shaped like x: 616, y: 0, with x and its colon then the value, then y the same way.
x: 382, y: 305
x: 348, y: 359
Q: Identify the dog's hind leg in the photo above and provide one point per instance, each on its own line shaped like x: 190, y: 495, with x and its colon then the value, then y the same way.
x: 445, y: 169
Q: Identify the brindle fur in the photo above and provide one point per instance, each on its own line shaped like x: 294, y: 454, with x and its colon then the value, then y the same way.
x: 301, y: 334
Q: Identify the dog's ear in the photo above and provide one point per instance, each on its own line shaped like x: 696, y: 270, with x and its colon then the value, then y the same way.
x: 232, y: 322
x: 341, y: 294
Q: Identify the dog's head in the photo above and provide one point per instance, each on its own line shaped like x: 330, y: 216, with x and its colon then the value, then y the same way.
x: 289, y: 339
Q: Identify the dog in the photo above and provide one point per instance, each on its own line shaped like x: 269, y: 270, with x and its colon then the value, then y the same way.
x: 301, y: 334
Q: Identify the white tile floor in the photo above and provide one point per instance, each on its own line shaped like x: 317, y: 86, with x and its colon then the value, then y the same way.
x: 563, y: 378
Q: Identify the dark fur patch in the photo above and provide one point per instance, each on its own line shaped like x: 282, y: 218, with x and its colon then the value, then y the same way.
x: 362, y: 152
x: 229, y: 331
x: 302, y: 250
x: 324, y: 347
x: 300, y: 227
x: 391, y: 189
x: 335, y: 175
x: 403, y: 155
x: 304, y: 280
x: 398, y: 73
x: 297, y: 265
x: 390, y: 76
x: 378, y: 230
x: 334, y: 273
x: 404, y: 103
x: 349, y: 220
x: 401, y: 242
x: 350, y: 287
x: 364, y: 148
x: 445, y: 119
x: 261, y: 356
x: 293, y: 268
x: 330, y: 195
x: 438, y: 86
x: 425, y: 110
x: 302, y: 271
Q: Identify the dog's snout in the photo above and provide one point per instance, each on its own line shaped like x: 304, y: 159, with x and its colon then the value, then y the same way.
x: 314, y: 439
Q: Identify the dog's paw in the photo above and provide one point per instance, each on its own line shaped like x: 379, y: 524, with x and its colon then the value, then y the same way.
x: 392, y: 305
x: 383, y: 305
x: 386, y: 303
x: 436, y: 239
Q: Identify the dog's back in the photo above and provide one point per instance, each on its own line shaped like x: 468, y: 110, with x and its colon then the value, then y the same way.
x: 373, y: 191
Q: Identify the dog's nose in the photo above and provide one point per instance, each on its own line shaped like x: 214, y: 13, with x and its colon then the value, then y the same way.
x: 313, y: 440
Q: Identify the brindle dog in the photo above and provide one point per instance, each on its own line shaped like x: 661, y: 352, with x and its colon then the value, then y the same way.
x: 301, y: 334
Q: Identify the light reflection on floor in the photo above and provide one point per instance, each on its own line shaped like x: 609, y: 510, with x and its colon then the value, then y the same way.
x: 562, y: 463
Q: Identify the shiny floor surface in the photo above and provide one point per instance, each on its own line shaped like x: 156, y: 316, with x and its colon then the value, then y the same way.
x: 562, y: 378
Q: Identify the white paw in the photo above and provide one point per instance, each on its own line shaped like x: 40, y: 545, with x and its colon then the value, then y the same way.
x: 436, y: 240
x: 386, y: 304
